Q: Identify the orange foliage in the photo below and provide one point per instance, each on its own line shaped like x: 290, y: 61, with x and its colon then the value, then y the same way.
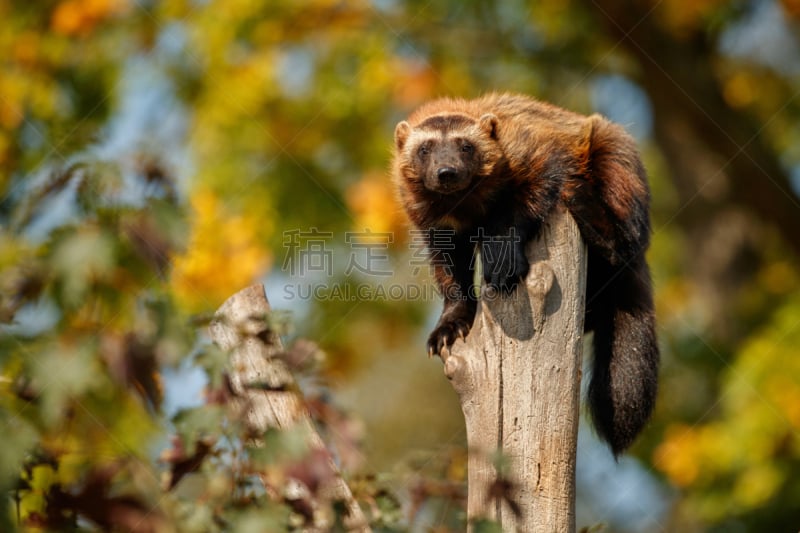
x: 784, y: 393
x: 372, y: 202
x: 25, y: 49
x: 740, y: 90
x: 416, y: 83
x: 10, y: 114
x: 684, y: 16
x: 225, y: 254
x: 79, y: 17
x: 791, y: 8
x: 673, y: 456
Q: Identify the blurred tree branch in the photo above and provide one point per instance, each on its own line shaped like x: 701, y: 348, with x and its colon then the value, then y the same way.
x: 693, y: 119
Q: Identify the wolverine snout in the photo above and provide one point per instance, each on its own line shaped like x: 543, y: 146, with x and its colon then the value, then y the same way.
x: 446, y: 174
x: 446, y: 179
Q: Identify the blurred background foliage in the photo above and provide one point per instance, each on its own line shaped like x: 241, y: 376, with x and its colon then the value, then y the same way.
x: 154, y: 155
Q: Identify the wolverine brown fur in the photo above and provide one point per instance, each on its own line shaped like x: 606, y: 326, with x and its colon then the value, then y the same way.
x: 487, y: 172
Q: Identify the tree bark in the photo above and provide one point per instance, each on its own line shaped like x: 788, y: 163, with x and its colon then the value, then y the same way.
x: 518, y: 375
x: 264, y: 393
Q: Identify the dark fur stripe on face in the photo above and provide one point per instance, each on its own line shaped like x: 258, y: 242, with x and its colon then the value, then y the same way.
x: 446, y: 123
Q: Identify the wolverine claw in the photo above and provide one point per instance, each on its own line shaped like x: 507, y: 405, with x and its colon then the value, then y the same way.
x: 445, y: 334
x: 444, y: 342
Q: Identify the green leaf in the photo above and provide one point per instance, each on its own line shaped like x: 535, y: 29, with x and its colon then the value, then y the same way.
x: 64, y: 371
x: 255, y: 520
x: 79, y: 259
x: 19, y: 437
x: 280, y: 446
x: 198, y: 422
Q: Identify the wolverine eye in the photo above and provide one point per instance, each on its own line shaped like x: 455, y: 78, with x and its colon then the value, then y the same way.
x: 467, y: 148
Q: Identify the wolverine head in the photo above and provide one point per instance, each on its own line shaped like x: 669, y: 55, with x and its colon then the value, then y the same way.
x: 448, y: 152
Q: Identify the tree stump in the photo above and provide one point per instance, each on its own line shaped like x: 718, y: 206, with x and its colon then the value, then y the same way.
x: 518, y: 376
x: 264, y: 393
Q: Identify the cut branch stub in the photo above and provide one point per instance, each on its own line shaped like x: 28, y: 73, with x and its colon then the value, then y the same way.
x: 518, y: 375
x: 264, y: 394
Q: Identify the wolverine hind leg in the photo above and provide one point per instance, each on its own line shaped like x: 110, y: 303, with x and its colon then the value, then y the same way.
x: 610, y: 199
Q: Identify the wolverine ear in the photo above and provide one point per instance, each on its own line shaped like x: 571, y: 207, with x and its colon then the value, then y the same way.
x: 488, y: 123
x: 401, y: 133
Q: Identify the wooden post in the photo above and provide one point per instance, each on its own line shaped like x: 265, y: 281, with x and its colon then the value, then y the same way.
x: 518, y: 379
x: 264, y: 391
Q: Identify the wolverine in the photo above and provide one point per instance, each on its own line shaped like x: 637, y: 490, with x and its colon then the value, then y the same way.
x: 486, y: 173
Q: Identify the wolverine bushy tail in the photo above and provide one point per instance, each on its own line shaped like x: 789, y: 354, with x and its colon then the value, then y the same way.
x: 619, y: 303
x: 622, y: 390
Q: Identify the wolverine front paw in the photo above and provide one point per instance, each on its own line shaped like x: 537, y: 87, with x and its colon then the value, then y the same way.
x: 505, y: 265
x: 445, y: 334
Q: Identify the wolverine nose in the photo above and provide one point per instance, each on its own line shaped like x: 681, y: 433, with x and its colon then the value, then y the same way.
x: 446, y: 174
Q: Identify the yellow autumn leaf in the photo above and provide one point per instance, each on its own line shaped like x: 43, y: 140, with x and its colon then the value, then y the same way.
x: 375, y: 208
x: 778, y: 277
x: 415, y: 82
x: 224, y: 255
x: 784, y: 393
x: 67, y: 18
x: 739, y: 90
x: 80, y: 17
x: 676, y: 456
x: 25, y: 48
x: 40, y: 479
x: 757, y: 484
x: 685, y: 16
